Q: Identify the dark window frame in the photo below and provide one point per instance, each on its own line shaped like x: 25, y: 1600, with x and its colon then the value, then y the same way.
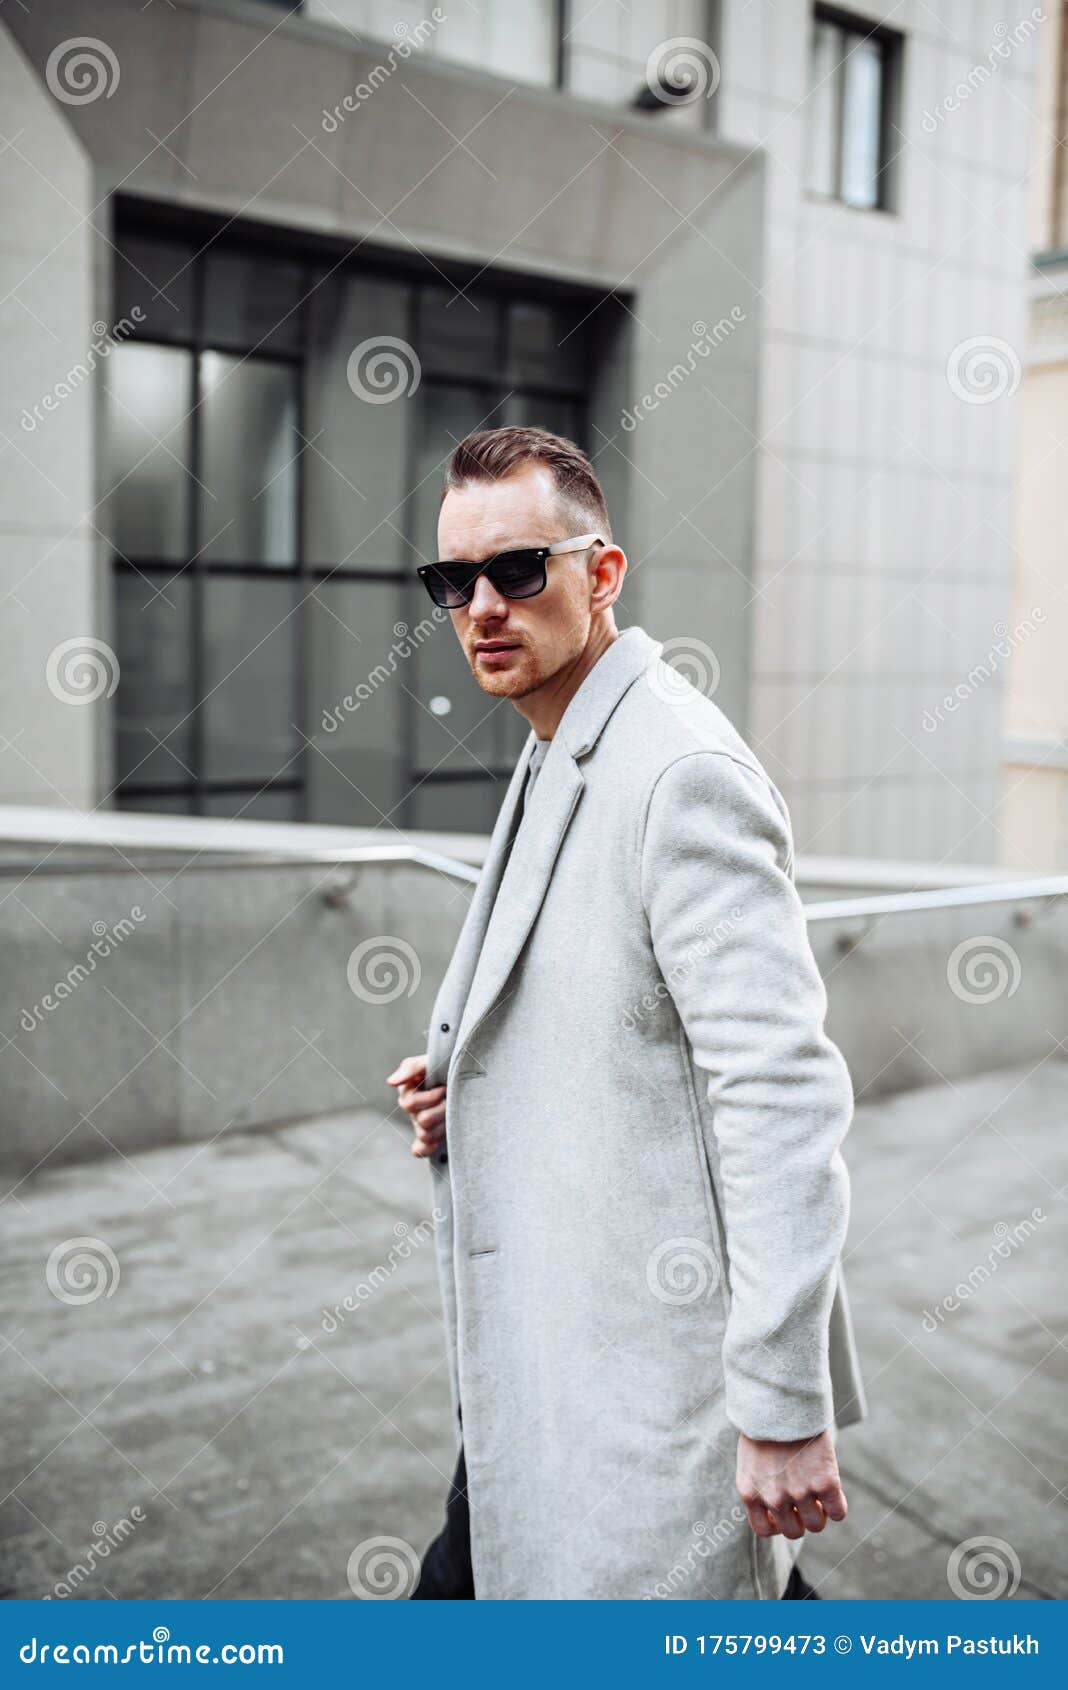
x: 891, y: 44
x: 132, y: 224
x: 206, y: 233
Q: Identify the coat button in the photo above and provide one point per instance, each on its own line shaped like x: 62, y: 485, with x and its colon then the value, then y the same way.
x: 444, y: 1026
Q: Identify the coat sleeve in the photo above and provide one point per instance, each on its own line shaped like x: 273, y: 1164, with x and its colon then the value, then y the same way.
x: 730, y: 938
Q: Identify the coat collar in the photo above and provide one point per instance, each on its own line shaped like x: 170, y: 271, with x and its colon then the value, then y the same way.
x: 519, y: 865
x: 601, y: 690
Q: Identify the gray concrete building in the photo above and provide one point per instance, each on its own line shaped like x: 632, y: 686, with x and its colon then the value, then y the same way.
x: 263, y: 265
x: 1035, y: 812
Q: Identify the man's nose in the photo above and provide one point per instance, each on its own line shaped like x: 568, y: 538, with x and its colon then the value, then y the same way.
x: 486, y: 602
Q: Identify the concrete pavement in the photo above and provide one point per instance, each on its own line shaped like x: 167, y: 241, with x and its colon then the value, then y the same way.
x: 219, y: 1423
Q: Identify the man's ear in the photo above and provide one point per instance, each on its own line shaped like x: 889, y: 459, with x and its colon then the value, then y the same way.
x: 614, y: 558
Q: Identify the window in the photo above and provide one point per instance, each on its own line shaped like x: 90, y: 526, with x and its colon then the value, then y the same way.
x: 854, y: 81
x: 267, y: 522
x: 204, y: 445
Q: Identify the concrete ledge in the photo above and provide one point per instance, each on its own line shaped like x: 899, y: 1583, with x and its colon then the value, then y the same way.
x: 145, y: 1004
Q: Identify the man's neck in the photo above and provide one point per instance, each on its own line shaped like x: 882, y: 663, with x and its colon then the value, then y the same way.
x: 545, y: 707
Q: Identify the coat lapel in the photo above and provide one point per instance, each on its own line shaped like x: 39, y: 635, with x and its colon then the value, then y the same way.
x: 521, y: 876
x: 456, y: 985
x: 524, y: 881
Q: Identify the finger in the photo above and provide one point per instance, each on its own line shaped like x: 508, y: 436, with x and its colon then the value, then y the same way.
x: 788, y: 1520
x: 412, y: 1068
x: 429, y: 1136
x: 832, y: 1501
x: 426, y: 1146
x: 426, y: 1117
x: 423, y: 1099
x: 760, y: 1520
x: 812, y: 1516
x: 408, y: 1082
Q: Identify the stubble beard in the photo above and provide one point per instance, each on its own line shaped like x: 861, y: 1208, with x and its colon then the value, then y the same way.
x: 511, y: 683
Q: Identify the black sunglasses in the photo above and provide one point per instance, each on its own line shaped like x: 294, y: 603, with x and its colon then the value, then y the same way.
x: 516, y: 575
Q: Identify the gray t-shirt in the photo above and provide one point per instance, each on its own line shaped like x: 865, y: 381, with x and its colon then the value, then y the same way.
x: 537, y: 758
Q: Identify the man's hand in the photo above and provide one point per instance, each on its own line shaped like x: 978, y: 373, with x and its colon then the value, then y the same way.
x: 426, y: 1108
x: 790, y: 1488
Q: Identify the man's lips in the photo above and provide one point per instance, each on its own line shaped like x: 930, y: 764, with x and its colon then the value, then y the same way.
x: 495, y: 651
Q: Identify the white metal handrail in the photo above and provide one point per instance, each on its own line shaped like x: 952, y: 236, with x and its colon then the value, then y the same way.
x: 204, y: 861
x: 951, y: 897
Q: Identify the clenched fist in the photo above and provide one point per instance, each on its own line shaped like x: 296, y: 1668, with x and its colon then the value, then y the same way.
x: 790, y: 1488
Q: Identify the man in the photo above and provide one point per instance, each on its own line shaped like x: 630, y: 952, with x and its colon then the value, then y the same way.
x: 630, y: 1108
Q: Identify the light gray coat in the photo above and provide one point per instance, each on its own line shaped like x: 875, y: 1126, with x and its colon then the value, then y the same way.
x: 643, y: 1196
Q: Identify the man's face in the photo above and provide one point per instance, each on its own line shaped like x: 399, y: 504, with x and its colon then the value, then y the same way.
x: 515, y: 645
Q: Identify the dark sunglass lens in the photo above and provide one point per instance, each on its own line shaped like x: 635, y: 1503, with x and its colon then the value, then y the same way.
x: 518, y: 577
x: 450, y: 587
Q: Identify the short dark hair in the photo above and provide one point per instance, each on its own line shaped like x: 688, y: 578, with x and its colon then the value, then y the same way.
x: 492, y: 454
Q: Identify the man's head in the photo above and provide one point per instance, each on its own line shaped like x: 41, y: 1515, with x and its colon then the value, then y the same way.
x: 508, y: 488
